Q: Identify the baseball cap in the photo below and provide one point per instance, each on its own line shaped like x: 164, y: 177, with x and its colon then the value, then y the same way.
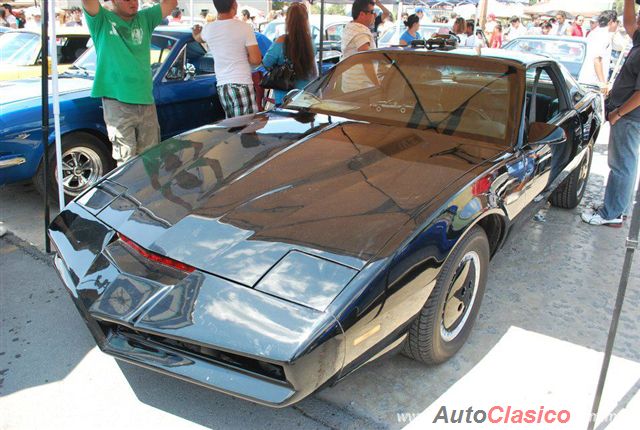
x: 419, y: 9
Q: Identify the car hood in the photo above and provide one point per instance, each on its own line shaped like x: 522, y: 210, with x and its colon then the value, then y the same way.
x: 25, y: 89
x: 235, y: 198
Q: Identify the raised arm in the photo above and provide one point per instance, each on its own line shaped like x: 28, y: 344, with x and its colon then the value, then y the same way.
x: 385, y: 11
x: 630, y: 21
x: 167, y: 6
x: 196, y: 31
x: 91, y: 6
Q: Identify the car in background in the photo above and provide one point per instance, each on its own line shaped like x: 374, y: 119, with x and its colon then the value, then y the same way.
x: 269, y: 255
x: 21, y: 52
x: 568, y: 51
x: 333, y: 28
x: 391, y: 37
x: 184, y: 88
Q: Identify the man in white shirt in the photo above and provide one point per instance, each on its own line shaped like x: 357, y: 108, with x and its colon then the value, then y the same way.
x: 357, y: 37
x: 472, y: 40
x: 34, y: 23
x: 235, y: 49
x: 516, y: 29
x: 563, y: 28
x: 598, y: 56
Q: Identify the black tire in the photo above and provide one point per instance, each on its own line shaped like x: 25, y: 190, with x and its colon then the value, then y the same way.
x: 433, y: 337
x: 93, y: 161
x: 569, y: 193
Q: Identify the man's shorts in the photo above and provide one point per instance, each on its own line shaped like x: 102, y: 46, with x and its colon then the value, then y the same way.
x: 132, y: 128
x: 237, y: 99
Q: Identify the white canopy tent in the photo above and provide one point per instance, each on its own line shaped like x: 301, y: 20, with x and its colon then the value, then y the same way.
x: 574, y: 7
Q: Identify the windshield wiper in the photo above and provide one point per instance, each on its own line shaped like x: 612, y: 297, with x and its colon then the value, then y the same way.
x: 419, y: 110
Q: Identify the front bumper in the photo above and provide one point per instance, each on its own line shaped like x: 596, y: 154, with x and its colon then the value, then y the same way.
x: 196, y: 327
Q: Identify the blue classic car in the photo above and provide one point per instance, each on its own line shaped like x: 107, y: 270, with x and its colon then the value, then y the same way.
x: 184, y: 87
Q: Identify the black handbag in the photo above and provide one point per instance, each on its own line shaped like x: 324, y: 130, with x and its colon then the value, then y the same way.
x: 280, y: 77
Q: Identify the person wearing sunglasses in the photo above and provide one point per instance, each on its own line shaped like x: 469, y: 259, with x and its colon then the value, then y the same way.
x: 357, y: 34
x: 357, y: 37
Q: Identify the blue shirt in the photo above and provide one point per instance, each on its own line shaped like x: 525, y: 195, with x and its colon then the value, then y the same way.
x: 264, y: 43
x: 407, y: 37
x: 274, y: 57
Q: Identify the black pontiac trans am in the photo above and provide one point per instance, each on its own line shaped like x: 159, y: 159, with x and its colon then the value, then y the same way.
x: 268, y: 255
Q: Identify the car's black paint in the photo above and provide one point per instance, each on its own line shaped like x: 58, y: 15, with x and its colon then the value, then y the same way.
x: 316, y: 240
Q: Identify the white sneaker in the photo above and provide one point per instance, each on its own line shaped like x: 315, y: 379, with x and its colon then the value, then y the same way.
x: 592, y: 217
x: 3, y: 230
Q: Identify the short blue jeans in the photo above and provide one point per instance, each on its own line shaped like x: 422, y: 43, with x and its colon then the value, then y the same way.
x: 624, y: 143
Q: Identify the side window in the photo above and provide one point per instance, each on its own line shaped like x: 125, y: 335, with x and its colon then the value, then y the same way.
x: 200, y: 59
x: 546, y: 93
x: 193, y: 60
x: 177, y: 70
x: 334, y: 33
x: 161, y: 48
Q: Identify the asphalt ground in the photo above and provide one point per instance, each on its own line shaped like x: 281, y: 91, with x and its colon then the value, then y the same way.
x: 538, y: 342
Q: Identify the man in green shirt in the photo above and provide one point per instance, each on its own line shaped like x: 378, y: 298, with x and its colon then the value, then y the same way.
x: 122, y: 38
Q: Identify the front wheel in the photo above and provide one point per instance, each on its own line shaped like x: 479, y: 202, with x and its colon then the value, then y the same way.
x: 85, y: 159
x: 445, y: 321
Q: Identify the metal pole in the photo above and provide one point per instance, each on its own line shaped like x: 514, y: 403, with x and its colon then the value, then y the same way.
x: 321, y: 37
x: 45, y: 118
x: 56, y: 106
x: 482, y: 13
x: 399, y: 20
x: 631, y: 245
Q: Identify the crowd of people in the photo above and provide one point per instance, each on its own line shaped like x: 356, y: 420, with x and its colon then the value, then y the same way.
x: 500, y: 31
x: 30, y: 18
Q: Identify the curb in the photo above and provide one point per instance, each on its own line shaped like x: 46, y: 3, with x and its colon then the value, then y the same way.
x: 28, y: 248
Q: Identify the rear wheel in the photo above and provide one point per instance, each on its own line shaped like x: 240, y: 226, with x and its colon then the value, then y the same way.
x: 85, y: 159
x: 569, y: 193
x: 445, y: 321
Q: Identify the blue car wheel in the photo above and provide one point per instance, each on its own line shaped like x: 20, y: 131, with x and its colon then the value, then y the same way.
x: 85, y: 159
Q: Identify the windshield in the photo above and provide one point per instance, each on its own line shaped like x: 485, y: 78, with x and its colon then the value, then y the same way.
x: 19, y: 49
x: 455, y: 95
x: 569, y: 53
x: 161, y: 48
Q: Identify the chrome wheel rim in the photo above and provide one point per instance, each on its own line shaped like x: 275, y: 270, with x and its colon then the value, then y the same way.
x: 81, y: 168
x: 460, y: 297
x: 584, y: 172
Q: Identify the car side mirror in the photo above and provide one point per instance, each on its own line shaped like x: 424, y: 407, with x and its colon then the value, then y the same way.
x: 541, y: 133
x: 189, y: 71
x: 290, y: 95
